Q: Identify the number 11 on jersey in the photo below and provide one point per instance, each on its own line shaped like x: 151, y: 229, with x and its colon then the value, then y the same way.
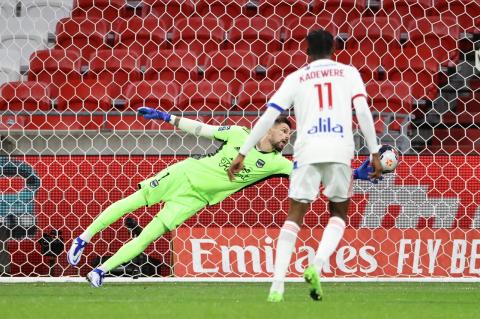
x: 320, y: 90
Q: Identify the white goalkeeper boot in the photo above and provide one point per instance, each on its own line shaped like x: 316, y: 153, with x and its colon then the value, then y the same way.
x: 76, y: 251
x: 95, y: 278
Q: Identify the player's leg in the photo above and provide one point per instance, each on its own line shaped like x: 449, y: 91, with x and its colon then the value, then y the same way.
x: 180, y: 204
x: 337, y: 180
x: 333, y: 232
x: 152, y: 191
x: 130, y: 250
x: 304, y: 185
x: 110, y: 215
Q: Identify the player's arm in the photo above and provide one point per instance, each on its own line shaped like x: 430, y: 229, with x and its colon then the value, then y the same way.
x: 363, y: 172
x: 365, y: 121
x: 187, y: 125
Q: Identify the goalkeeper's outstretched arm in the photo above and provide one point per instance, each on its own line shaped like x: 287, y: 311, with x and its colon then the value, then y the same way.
x: 190, y: 126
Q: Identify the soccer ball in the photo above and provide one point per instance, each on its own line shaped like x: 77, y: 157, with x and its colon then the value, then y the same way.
x: 388, y: 158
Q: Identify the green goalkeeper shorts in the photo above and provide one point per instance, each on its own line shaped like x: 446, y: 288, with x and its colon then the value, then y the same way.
x: 171, y: 186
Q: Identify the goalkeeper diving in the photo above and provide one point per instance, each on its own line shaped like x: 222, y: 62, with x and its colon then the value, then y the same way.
x: 192, y: 184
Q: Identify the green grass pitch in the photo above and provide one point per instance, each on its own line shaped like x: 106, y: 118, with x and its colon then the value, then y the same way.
x: 239, y: 300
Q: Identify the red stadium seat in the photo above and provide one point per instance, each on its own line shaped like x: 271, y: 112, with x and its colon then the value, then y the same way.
x: 231, y: 66
x: 340, y: 12
x: 169, y: 10
x: 25, y: 96
x: 226, y: 10
x: 142, y: 35
x: 406, y: 11
x: 114, y: 68
x: 463, y: 11
x: 254, y: 95
x: 199, y: 35
x: 390, y: 97
x: 171, y: 65
x: 435, y: 37
x: 152, y: 93
x: 88, y: 95
x: 55, y: 67
x: 258, y: 35
x: 374, y: 34
x: 368, y: 63
x: 296, y: 30
x: 419, y: 72
x: 284, y: 63
x: 283, y: 8
x: 469, y: 103
x: 465, y: 113
x: 205, y: 95
x: 455, y: 140
x: 108, y: 10
x: 82, y: 35
x: 378, y: 123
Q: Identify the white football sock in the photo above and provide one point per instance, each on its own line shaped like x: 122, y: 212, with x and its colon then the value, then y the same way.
x: 332, y: 235
x: 85, y: 236
x: 285, y: 245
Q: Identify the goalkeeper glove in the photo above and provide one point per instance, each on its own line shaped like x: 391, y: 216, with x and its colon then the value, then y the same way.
x: 152, y: 114
x: 362, y: 172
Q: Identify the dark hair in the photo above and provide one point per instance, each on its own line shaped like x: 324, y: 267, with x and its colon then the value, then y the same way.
x: 320, y: 43
x: 283, y: 119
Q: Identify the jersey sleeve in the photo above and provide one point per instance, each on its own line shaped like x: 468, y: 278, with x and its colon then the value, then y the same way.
x: 358, y: 87
x: 282, y: 99
x: 286, y: 167
x: 225, y: 133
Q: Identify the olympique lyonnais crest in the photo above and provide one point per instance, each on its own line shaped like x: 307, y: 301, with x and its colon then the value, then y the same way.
x: 260, y: 163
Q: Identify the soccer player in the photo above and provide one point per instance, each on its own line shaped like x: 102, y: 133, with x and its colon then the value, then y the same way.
x: 188, y: 186
x: 322, y: 94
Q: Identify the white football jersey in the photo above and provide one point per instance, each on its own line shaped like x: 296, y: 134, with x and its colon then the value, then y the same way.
x: 322, y: 94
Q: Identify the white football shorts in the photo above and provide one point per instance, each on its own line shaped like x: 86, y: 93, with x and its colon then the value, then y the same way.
x: 305, y: 182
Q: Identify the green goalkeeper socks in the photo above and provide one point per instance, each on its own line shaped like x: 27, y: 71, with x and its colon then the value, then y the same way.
x: 113, y: 213
x: 133, y: 248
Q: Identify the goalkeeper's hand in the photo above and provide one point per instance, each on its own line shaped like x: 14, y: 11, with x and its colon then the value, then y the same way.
x: 362, y: 172
x: 152, y: 114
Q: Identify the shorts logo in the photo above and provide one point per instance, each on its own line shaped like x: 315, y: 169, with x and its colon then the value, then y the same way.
x: 223, y: 128
x: 260, y: 163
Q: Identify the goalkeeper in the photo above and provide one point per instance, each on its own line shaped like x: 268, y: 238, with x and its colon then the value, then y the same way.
x: 188, y: 186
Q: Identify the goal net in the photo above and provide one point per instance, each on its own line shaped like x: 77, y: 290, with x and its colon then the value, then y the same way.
x: 73, y: 73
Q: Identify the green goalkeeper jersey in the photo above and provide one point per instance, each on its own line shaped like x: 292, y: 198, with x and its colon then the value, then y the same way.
x: 208, y: 175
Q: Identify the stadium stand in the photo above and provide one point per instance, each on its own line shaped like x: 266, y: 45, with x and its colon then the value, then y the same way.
x: 297, y: 28
x: 9, y: 65
x: 24, y: 34
x: 25, y: 96
x: 259, y: 35
x: 83, y: 35
x: 141, y: 34
x: 142, y: 93
x: 205, y: 96
x: 51, y: 10
x: 55, y: 67
x: 8, y: 9
x: 172, y: 65
x: 114, y: 69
